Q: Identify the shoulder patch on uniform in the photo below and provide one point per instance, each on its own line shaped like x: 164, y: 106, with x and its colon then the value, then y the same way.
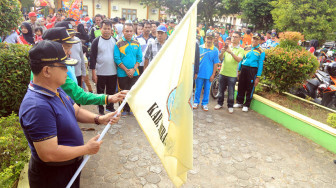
x: 135, y: 42
x: 121, y: 43
x: 258, y: 50
x: 247, y: 48
x: 261, y: 49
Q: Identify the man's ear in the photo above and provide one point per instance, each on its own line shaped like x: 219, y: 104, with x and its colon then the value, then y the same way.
x: 46, y: 71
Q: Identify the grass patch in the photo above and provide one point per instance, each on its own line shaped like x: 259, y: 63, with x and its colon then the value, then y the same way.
x: 299, y: 106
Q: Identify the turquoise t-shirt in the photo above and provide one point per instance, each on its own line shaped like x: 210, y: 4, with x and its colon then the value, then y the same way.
x: 208, y: 57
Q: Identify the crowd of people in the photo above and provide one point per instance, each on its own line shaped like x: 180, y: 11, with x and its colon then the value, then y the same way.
x: 239, y: 55
x: 116, y: 51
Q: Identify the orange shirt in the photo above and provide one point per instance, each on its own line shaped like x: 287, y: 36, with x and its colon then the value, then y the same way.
x: 247, y: 40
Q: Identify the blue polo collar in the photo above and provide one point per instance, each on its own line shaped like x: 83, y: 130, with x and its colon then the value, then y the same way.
x: 41, y: 90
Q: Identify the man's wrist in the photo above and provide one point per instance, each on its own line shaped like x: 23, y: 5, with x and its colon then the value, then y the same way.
x: 96, y: 119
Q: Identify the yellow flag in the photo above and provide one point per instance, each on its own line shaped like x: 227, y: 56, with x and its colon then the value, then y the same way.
x: 161, y: 100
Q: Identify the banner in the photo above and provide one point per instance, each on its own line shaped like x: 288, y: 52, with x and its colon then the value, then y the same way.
x: 73, y: 8
x: 44, y: 3
x: 161, y: 100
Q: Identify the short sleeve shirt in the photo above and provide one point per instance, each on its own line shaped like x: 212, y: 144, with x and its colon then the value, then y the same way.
x: 230, y: 65
x: 45, y: 115
x: 208, y: 57
x: 152, y: 49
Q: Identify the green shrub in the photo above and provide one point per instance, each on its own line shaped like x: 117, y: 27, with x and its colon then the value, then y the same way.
x: 10, y: 16
x: 332, y: 120
x: 288, y: 64
x: 13, y: 150
x: 14, y: 76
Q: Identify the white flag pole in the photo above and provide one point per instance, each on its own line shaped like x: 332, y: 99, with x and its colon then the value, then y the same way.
x: 87, y: 157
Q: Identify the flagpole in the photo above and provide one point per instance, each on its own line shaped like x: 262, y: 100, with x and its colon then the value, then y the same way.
x: 87, y: 157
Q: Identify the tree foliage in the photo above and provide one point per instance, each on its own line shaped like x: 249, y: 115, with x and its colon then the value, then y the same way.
x: 27, y: 3
x: 258, y: 12
x: 207, y: 9
x: 10, y: 16
x: 316, y: 19
x: 177, y: 7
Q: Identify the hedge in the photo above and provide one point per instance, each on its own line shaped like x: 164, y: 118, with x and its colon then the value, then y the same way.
x: 14, y: 76
x: 14, y: 150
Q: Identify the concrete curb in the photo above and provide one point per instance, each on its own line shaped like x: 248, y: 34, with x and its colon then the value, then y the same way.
x: 316, y: 131
x: 23, y: 181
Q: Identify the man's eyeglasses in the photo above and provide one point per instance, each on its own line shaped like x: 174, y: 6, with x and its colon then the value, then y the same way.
x: 64, y: 67
x: 235, y: 36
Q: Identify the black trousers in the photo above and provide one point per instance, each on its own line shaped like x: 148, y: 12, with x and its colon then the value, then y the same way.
x: 125, y: 83
x: 109, y: 83
x: 141, y: 69
x: 79, y: 80
x: 41, y: 175
x: 246, y: 85
x: 230, y: 83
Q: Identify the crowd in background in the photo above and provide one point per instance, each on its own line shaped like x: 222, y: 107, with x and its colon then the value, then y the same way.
x: 109, y: 50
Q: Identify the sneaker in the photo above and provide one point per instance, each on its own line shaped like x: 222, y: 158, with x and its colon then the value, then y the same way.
x: 110, y: 110
x: 124, y: 114
x: 245, y: 109
x: 237, y: 105
x: 195, y: 106
x: 230, y: 110
x: 131, y: 113
x: 205, y: 107
x: 217, y: 107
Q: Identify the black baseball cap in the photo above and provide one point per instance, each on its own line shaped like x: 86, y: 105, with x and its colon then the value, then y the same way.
x: 47, y: 51
x: 67, y: 25
x: 257, y: 36
x: 59, y: 34
x: 210, y: 34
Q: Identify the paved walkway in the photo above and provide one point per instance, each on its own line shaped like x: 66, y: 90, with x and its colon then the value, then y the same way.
x: 230, y: 150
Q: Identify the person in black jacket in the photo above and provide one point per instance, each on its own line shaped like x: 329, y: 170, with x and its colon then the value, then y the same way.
x: 82, y: 34
x: 95, y: 30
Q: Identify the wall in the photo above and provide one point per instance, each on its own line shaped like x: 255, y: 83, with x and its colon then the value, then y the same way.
x: 128, y: 4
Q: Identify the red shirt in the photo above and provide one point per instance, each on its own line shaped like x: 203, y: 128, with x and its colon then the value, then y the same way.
x: 50, y: 25
x: 311, y: 50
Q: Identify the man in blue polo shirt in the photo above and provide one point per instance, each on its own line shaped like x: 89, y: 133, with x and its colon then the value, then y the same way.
x: 250, y: 69
x: 207, y: 69
x: 48, y: 117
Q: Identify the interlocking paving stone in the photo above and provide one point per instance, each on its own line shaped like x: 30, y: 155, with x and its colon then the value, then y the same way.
x: 235, y: 150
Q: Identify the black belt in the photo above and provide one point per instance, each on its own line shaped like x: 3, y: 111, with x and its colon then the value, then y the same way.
x: 63, y: 163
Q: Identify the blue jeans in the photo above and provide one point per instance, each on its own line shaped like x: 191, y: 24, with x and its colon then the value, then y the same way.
x: 200, y: 83
x: 229, y: 82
